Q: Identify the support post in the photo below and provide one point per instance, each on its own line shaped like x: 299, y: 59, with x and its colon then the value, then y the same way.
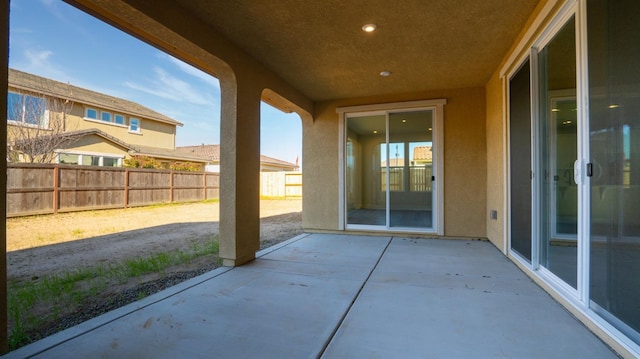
x: 239, y: 172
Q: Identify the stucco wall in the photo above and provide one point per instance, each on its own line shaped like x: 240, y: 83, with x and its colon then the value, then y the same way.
x: 320, y: 169
x: 465, y: 167
x: 495, y: 157
x: 153, y: 134
x: 97, y: 145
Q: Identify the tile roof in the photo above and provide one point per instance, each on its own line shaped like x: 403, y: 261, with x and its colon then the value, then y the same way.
x: 167, y: 153
x: 422, y: 153
x: 29, y: 82
x: 212, y: 152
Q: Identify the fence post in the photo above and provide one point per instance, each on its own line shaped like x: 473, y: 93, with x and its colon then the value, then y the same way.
x: 126, y: 188
x: 56, y: 188
x: 170, y: 186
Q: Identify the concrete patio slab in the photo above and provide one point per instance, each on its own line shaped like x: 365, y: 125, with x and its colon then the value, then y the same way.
x: 341, y: 296
x: 457, y: 299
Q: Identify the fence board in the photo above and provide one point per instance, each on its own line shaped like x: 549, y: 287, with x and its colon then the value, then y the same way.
x: 280, y: 184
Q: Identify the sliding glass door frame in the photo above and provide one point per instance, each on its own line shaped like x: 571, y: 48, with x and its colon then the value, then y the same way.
x: 437, y: 109
x: 579, y: 295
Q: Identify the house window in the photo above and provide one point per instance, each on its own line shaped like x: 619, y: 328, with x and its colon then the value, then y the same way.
x: 68, y: 158
x: 26, y: 109
x: 105, y: 116
x: 134, y: 125
x: 91, y: 114
x: 110, y: 162
x: 119, y: 119
x: 88, y: 160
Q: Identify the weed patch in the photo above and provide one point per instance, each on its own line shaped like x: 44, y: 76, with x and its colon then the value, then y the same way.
x: 43, y: 300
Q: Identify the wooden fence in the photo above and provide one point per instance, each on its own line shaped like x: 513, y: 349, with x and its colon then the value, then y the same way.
x: 42, y: 189
x: 281, y: 185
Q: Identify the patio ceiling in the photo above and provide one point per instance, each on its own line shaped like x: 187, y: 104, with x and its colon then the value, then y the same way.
x: 319, y: 46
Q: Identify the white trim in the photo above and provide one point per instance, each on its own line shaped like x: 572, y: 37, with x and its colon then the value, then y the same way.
x: 105, y: 122
x: 391, y: 106
x: 89, y: 153
x: 528, y: 35
x: 506, y: 161
x: 387, y: 173
x: 584, y: 189
x: 342, y: 198
x: 568, y: 9
x: 535, y: 168
x: 437, y: 107
x: 438, y: 129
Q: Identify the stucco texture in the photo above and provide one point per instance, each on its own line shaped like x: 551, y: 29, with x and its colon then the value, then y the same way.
x: 464, y: 161
x: 495, y: 157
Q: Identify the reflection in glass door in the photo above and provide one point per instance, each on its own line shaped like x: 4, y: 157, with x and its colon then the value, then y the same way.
x: 411, y: 196
x: 366, y: 198
x: 389, y: 170
x: 614, y: 140
x: 557, y: 155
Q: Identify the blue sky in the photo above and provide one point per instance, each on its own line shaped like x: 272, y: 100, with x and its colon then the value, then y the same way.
x: 52, y: 39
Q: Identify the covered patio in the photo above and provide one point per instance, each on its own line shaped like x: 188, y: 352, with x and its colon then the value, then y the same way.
x: 342, y: 296
x: 528, y: 111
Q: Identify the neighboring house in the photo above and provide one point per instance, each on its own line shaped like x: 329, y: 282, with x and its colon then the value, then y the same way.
x: 422, y: 155
x: 101, y: 130
x: 212, y: 154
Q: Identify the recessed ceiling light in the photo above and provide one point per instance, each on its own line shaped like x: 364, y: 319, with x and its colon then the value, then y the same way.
x: 375, y: 131
x: 430, y: 129
x: 614, y: 106
x: 555, y: 110
x: 385, y: 73
x: 369, y: 28
x: 404, y: 121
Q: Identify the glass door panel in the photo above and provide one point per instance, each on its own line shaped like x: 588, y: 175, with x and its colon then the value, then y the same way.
x: 410, y: 159
x: 614, y: 141
x: 557, y: 154
x: 365, y: 188
x: 520, y: 160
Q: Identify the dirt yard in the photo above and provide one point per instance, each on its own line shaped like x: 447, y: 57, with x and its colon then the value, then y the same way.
x: 51, y: 244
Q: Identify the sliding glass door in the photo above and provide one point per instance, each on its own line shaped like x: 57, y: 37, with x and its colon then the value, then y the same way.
x: 575, y: 217
x: 614, y: 140
x: 557, y: 153
x: 389, y: 170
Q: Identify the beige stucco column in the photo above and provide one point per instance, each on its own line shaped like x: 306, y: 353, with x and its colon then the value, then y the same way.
x: 239, y: 171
